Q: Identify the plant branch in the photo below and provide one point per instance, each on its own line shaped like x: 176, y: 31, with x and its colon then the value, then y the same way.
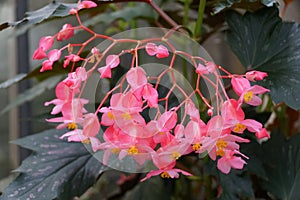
x: 164, y: 15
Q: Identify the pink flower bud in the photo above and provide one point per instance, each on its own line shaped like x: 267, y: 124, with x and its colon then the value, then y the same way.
x: 209, y: 112
x: 47, y: 65
x: 54, y: 55
x: 256, y: 75
x: 160, y: 51
x: 95, y: 51
x: 65, y: 33
x: 46, y: 43
x: 39, y: 54
x: 73, y: 11
x: 86, y: 4
x: 201, y: 69
x: 262, y: 133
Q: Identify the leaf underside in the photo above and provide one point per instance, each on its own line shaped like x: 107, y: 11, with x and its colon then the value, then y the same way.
x: 56, y: 169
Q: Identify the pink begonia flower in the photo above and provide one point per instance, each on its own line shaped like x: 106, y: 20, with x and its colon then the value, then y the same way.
x: 136, y: 78
x: 71, y: 58
x: 166, y: 173
x: 75, y: 79
x: 262, y: 133
x: 195, y: 133
x: 161, y: 128
x: 111, y: 62
x: 217, y: 140
x: 256, y: 75
x: 44, y: 45
x: 65, y: 33
x: 234, y: 118
x: 86, y: 4
x: 229, y: 160
x: 72, y: 114
x: 168, y: 154
x: 53, y: 56
x: 78, y: 136
x: 160, y: 51
x: 123, y: 144
x: 63, y: 94
x: 124, y: 112
x: 208, y: 68
x: 247, y: 92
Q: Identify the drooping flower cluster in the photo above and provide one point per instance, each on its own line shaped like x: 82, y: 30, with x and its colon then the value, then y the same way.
x: 165, y: 138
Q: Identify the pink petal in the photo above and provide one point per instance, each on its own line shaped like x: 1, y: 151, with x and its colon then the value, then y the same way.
x: 252, y: 125
x: 240, y: 85
x: 54, y: 55
x: 162, y: 52
x: 256, y: 75
x: 223, y: 165
x: 105, y: 72
x: 91, y: 125
x: 237, y: 162
x: 65, y: 33
x: 86, y: 4
x: 112, y: 61
x: 47, y: 65
x: 255, y: 101
x: 39, y: 54
x: 256, y: 89
x: 201, y: 69
x: 46, y: 43
x: 151, y: 95
x: 136, y: 77
x: 151, y: 49
x: 262, y: 133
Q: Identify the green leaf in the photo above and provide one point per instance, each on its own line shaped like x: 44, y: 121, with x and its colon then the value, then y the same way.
x: 33, y: 92
x: 51, y: 10
x: 235, y: 185
x: 263, y: 42
x: 153, y: 188
x: 11, y: 81
x: 56, y: 169
x: 220, y: 5
x: 127, y: 14
x: 281, y: 160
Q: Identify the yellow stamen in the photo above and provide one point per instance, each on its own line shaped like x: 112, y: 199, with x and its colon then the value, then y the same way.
x: 126, y: 116
x: 239, y: 127
x: 165, y: 175
x: 110, y: 115
x: 248, y: 96
x: 133, y: 151
x: 221, y: 144
x: 72, y: 126
x: 220, y: 152
x: 196, y: 146
x: 86, y: 141
x: 175, y: 155
x: 161, y: 133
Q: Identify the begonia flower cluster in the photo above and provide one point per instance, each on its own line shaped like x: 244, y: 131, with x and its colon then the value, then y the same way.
x: 165, y: 138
